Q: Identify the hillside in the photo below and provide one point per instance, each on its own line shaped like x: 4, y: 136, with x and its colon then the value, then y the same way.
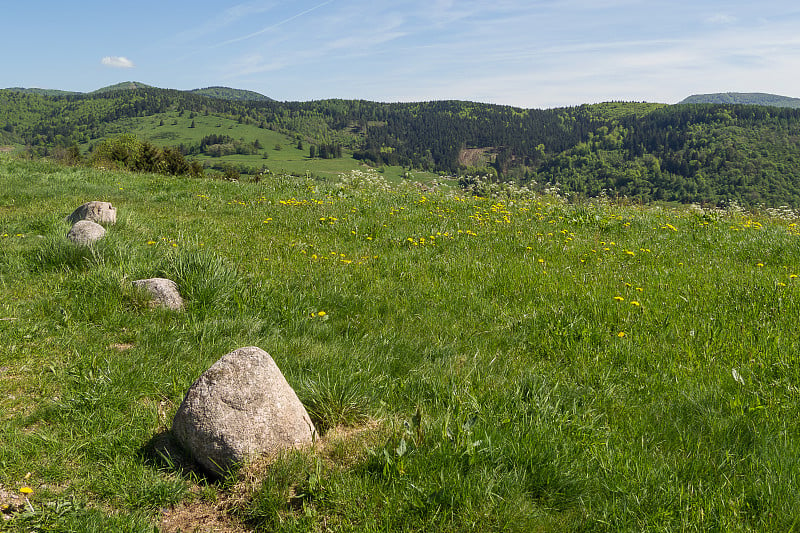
x: 43, y: 92
x: 227, y: 93
x: 699, y: 153
x: 124, y: 86
x: 763, y: 99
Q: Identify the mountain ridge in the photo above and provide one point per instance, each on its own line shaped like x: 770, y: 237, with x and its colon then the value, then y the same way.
x: 763, y: 99
x: 229, y: 93
x: 220, y: 92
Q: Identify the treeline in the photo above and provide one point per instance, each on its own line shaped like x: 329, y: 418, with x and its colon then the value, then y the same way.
x: 324, y: 150
x: 221, y: 145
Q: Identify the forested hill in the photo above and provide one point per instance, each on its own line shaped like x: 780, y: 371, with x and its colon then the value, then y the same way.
x: 709, y: 153
x: 227, y: 93
x: 743, y: 98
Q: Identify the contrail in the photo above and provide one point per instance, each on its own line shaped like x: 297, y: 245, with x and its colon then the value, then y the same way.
x: 277, y: 24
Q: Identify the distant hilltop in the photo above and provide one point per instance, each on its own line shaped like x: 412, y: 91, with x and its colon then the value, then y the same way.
x: 224, y: 93
x: 764, y: 99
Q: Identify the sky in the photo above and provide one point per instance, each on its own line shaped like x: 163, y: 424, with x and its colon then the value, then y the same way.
x: 525, y: 53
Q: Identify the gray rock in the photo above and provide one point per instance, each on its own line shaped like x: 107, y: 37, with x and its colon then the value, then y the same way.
x: 238, y: 409
x: 86, y: 232
x: 163, y: 292
x: 100, y: 212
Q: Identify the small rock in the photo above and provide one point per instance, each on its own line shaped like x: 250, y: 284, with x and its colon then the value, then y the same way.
x: 238, y: 409
x: 100, y: 212
x: 86, y: 232
x: 163, y: 292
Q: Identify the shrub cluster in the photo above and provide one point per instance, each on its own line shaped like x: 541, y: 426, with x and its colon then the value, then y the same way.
x: 126, y: 152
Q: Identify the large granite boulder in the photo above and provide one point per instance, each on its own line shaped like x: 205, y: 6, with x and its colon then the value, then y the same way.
x: 100, y: 212
x: 238, y: 409
x: 86, y: 232
x: 163, y: 292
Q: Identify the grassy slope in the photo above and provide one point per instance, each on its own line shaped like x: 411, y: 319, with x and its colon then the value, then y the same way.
x: 176, y: 130
x: 558, y: 368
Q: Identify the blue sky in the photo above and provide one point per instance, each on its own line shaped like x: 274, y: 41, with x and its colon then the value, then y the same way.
x: 535, y: 54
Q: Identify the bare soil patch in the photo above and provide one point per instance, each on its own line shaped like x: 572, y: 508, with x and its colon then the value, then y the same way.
x: 200, y: 517
x: 10, y: 502
x: 341, y: 446
x: 474, y: 157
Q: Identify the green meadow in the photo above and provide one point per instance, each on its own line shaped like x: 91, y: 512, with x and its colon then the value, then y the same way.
x: 511, y: 362
x: 282, y: 153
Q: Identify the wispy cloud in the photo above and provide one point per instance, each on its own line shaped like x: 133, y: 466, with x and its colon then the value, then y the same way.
x: 722, y: 19
x: 117, y: 62
x: 542, y: 54
x: 275, y: 25
x: 227, y: 18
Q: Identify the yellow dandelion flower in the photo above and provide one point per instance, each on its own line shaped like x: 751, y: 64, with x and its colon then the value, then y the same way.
x: 26, y: 490
x: 619, y: 298
x: 759, y: 265
x: 635, y: 303
x: 321, y: 313
x: 621, y: 334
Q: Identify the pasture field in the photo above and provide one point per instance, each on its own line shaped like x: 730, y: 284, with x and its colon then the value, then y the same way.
x: 506, y: 363
x: 283, y: 154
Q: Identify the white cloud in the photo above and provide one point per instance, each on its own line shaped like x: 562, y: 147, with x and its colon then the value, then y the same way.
x: 117, y: 62
x: 722, y: 19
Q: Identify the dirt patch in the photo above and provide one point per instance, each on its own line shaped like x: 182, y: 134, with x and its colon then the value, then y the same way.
x: 6, y: 149
x: 10, y: 502
x: 121, y: 346
x: 341, y: 447
x: 474, y: 157
x: 200, y: 517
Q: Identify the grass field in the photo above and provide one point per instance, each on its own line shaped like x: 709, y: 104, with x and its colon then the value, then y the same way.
x: 476, y: 364
x: 283, y: 155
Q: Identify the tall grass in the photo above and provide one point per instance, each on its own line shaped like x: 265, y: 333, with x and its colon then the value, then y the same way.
x: 502, y: 363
